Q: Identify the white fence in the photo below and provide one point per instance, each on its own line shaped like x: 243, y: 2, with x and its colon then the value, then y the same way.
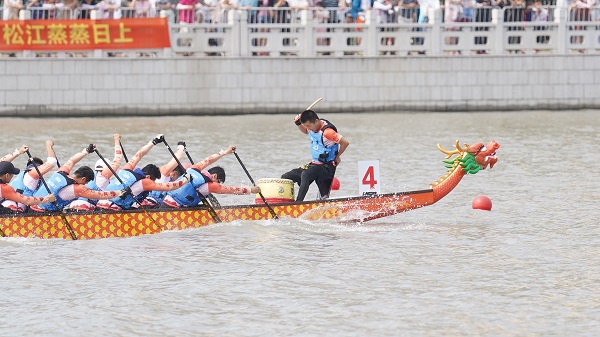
x: 236, y: 33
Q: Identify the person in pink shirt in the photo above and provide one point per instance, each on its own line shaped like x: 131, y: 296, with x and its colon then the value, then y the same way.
x: 187, y: 9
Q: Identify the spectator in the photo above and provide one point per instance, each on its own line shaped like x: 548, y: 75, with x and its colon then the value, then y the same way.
x: 264, y: 17
x: 186, y: 10
x: 515, y: 13
x: 53, y: 9
x: 248, y: 5
x: 539, y: 14
x: 297, y: 7
x: 142, y: 8
x: 333, y: 6
x: 384, y: 10
x: 35, y: 7
x: 87, y: 6
x: 468, y: 13
x: 321, y: 15
x: 579, y: 10
x: 70, y: 8
x: 168, y: 6
x: 281, y: 13
x: 483, y: 13
x: 110, y: 9
x: 407, y: 11
x: 226, y: 6
x: 11, y: 9
x: 454, y: 12
x: 426, y: 9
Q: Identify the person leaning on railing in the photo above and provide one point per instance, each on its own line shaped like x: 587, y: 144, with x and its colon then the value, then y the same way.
x: 168, y: 6
x: 87, y: 6
x: 35, y: 8
x: 11, y: 9
x: 186, y: 10
x: 111, y: 9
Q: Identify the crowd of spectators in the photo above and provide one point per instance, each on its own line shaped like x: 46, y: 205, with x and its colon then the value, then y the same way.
x: 284, y: 11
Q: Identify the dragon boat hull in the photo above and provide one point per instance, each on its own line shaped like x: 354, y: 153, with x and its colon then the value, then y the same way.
x: 96, y: 225
x: 109, y: 224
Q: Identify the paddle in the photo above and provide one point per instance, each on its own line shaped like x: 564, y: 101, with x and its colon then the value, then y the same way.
x: 64, y: 218
x: 259, y: 193
x: 122, y: 183
x: 55, y: 156
x: 213, y: 200
x: 314, y: 103
x: 210, y: 209
x: 123, y: 150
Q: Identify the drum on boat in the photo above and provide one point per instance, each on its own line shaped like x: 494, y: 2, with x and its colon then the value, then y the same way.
x: 275, y: 190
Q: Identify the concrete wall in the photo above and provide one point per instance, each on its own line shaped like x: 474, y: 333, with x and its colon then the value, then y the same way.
x: 92, y: 87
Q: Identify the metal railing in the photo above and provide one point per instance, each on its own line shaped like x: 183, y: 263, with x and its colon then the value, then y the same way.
x: 275, y: 32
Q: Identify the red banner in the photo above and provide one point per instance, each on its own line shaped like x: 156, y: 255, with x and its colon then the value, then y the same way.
x: 65, y: 35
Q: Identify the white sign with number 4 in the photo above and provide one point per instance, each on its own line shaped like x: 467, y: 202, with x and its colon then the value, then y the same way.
x: 368, y: 177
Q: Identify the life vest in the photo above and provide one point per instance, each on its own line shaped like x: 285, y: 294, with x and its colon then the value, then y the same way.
x: 187, y: 195
x: 18, y: 184
x: 318, y: 150
x: 57, y: 182
x: 129, y: 178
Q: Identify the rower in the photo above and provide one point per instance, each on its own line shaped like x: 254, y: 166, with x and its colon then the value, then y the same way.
x: 138, y: 182
x: 28, y: 180
x: 101, y: 178
x: 8, y: 193
x: 205, y: 182
x: 67, y: 186
x: 171, y: 171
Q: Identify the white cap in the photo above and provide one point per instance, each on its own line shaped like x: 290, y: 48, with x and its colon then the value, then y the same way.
x: 99, y: 165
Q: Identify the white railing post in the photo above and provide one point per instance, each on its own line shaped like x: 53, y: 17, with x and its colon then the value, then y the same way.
x: 244, y: 36
x: 167, y: 52
x: 167, y: 14
x: 560, y: 17
x: 25, y: 14
x: 96, y: 15
x: 371, y: 27
x: 234, y: 19
x: 498, y: 21
x: 306, y: 20
x: 436, y: 32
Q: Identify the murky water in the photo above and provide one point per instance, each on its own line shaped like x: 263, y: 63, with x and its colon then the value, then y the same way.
x: 530, y: 267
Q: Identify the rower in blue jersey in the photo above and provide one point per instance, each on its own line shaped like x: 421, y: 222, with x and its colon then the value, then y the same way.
x: 138, y: 181
x: 168, y: 172
x: 67, y: 186
x: 205, y: 182
x: 102, y: 175
x: 28, y: 180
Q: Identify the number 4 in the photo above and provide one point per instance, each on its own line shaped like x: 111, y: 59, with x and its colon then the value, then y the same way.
x: 369, y: 178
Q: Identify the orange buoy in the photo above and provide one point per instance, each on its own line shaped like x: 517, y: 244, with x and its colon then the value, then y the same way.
x: 482, y: 202
x: 335, y: 184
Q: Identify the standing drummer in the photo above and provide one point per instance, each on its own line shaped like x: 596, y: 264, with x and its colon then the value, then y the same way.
x: 326, y: 147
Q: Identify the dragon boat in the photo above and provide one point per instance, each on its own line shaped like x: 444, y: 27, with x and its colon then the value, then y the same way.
x: 468, y: 159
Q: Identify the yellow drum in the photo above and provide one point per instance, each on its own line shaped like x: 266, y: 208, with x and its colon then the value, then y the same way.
x: 275, y: 190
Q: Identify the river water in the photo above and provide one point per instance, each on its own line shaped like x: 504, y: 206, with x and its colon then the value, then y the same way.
x: 529, y: 267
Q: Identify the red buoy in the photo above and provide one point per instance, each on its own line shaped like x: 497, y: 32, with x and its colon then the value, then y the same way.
x: 482, y: 202
x: 335, y: 184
